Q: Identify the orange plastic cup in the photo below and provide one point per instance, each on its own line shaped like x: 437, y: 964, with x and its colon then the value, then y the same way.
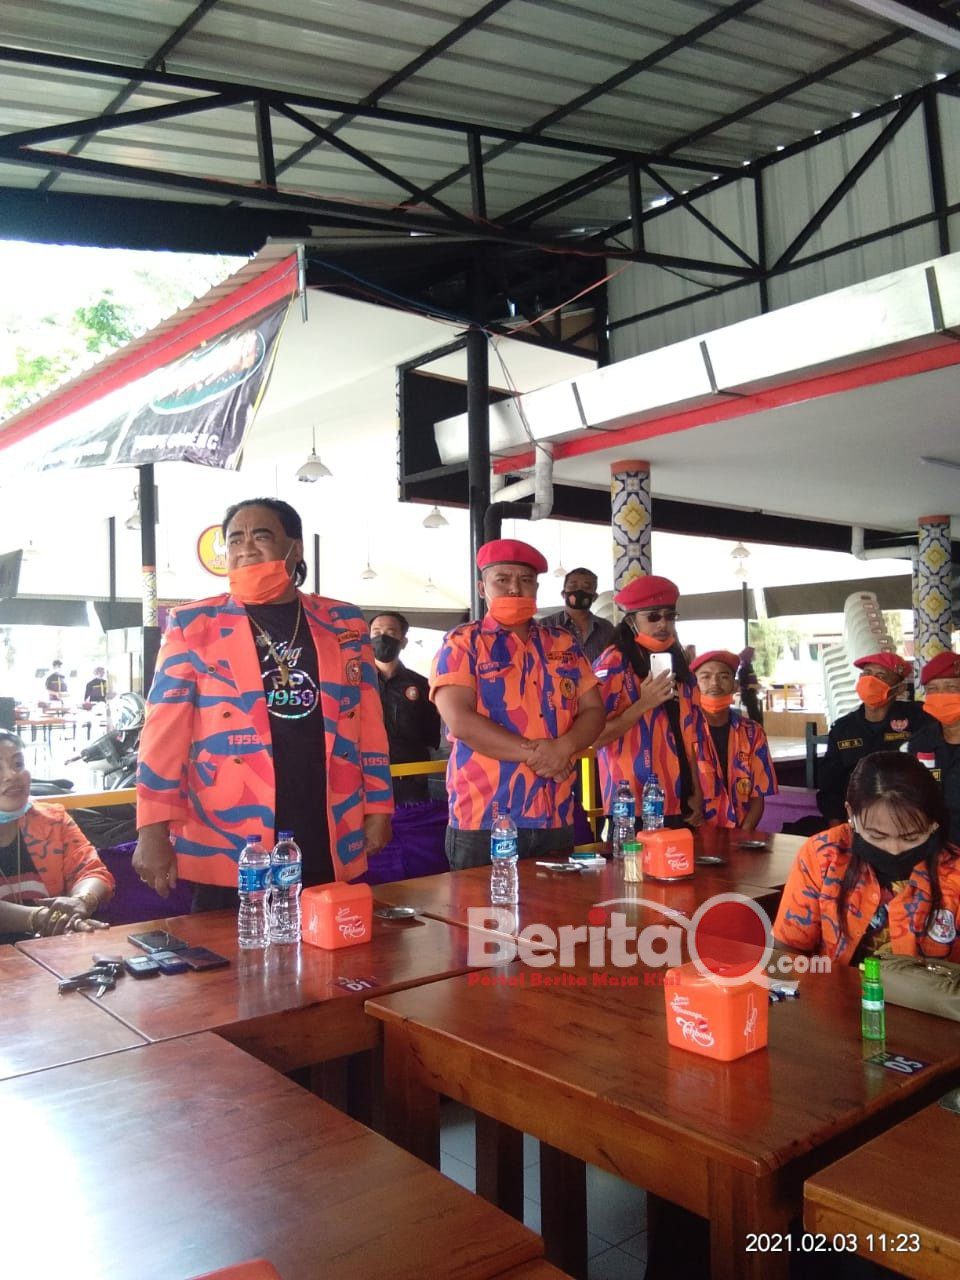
x: 337, y: 915
x: 717, y: 1021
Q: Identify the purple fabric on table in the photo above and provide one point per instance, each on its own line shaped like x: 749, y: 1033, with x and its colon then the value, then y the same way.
x: 133, y: 901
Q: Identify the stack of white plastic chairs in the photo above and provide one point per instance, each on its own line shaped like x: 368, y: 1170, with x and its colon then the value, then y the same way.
x: 864, y: 631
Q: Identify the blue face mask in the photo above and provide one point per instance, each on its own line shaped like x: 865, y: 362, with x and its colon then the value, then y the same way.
x: 7, y: 815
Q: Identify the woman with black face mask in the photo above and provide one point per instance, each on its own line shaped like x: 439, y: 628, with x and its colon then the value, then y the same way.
x: 883, y: 881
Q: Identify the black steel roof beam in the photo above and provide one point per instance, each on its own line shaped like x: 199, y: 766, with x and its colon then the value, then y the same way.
x: 778, y: 95
x: 339, y: 212
x: 573, y: 189
x: 680, y: 199
x: 859, y: 242
x: 478, y: 186
x: 851, y: 178
x: 938, y: 182
x: 265, y: 156
x: 439, y: 124
x: 612, y: 82
x: 950, y: 85
x: 410, y: 69
x: 155, y: 60
x: 122, y: 120
x: 368, y: 161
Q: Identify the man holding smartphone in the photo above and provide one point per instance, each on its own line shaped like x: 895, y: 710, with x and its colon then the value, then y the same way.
x: 652, y: 719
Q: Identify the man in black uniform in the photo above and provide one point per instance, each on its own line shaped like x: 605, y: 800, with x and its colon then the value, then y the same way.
x: 882, y: 722
x: 937, y: 743
x: 411, y: 719
x: 96, y: 690
x: 56, y: 682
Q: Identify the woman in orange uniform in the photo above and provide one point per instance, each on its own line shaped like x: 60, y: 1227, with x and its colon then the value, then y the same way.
x: 885, y: 880
x: 652, y: 721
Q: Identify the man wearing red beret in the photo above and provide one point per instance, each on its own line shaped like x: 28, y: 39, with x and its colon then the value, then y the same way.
x: 937, y: 743
x: 882, y: 722
x: 520, y: 702
x: 652, y: 720
x: 733, y: 757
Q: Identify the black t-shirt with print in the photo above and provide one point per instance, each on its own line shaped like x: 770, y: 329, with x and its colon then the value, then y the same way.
x: 296, y: 729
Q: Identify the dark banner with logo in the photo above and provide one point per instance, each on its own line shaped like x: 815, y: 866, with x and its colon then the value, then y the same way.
x: 197, y: 409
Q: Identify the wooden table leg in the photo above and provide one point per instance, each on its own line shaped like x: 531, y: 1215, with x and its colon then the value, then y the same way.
x: 500, y: 1165
x: 563, y: 1210
x: 742, y: 1206
x: 411, y: 1107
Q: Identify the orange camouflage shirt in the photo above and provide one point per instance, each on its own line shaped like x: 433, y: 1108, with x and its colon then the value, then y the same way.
x: 533, y: 689
x: 808, y: 919
x: 749, y: 773
x: 60, y: 854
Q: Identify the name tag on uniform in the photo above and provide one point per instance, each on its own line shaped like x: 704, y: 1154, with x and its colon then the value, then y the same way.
x: 895, y: 737
x: 847, y: 744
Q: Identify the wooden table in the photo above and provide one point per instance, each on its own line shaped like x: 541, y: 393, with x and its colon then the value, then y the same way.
x: 290, y: 1006
x: 588, y: 1071
x: 558, y: 898
x: 182, y: 1157
x: 40, y: 1028
x: 895, y: 1199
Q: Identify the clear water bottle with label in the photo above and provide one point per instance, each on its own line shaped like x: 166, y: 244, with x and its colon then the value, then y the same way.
x: 504, y: 884
x: 286, y: 874
x: 623, y: 823
x: 253, y: 883
x: 651, y: 805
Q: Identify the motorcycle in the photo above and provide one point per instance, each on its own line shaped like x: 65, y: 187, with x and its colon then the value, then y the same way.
x: 115, y: 753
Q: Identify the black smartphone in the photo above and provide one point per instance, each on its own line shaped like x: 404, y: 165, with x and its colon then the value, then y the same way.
x: 156, y: 940
x: 142, y: 967
x: 170, y: 961
x: 203, y: 958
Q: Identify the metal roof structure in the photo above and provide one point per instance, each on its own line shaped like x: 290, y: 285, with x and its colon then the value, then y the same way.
x: 526, y: 124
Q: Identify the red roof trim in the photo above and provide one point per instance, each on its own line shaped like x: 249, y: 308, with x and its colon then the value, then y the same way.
x: 722, y: 410
x: 276, y: 282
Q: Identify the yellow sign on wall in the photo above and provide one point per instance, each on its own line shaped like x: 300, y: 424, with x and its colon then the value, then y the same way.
x: 212, y: 551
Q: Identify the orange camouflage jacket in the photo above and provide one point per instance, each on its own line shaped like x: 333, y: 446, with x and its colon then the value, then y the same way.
x: 206, y: 759
x: 808, y: 919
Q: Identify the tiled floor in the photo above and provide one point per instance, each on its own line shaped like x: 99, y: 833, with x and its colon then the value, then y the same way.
x: 616, y: 1210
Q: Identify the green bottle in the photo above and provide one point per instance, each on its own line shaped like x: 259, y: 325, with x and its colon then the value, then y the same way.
x: 873, y: 1024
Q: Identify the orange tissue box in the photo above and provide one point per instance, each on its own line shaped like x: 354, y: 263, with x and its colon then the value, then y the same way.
x: 667, y: 855
x: 718, y: 1021
x: 337, y: 915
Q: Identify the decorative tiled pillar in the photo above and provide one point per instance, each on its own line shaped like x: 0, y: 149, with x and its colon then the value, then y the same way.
x: 931, y: 590
x: 630, y: 520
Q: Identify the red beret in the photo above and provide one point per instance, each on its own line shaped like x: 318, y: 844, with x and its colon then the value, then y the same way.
x: 717, y: 655
x: 891, y: 661
x: 647, y: 592
x: 510, y: 551
x: 945, y: 666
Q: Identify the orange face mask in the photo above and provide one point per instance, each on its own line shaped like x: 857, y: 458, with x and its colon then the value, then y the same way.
x: 512, y: 611
x: 651, y: 644
x: 872, y: 692
x: 714, y: 702
x: 260, y: 583
x: 944, y: 707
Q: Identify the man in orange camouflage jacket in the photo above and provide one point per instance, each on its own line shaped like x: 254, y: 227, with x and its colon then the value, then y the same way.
x: 264, y: 715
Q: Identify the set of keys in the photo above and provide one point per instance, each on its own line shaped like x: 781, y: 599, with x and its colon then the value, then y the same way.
x: 103, y: 976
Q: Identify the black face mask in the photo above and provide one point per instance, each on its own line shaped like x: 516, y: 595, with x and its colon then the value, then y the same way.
x: 579, y: 599
x: 895, y: 866
x: 385, y: 648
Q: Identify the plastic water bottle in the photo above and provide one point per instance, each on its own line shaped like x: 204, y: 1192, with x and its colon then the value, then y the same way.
x: 624, y: 818
x: 286, y: 873
x: 253, y: 883
x: 504, y: 885
x: 651, y: 805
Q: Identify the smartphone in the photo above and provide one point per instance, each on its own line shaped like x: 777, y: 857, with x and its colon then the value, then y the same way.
x: 660, y: 662
x: 170, y: 961
x: 203, y: 958
x: 142, y: 967
x: 156, y: 940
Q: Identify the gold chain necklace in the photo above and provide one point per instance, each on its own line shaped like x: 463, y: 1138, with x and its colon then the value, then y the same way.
x: 265, y: 641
